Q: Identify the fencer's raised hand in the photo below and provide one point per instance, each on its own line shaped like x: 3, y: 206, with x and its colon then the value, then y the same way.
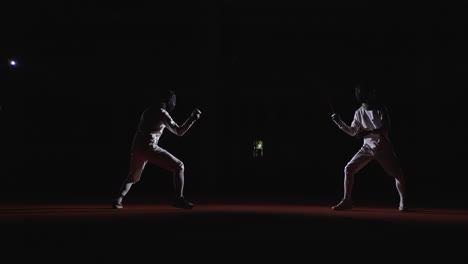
x: 196, y: 114
x: 336, y: 117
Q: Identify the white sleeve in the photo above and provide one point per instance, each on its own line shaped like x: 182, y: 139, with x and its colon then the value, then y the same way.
x: 174, y: 127
x: 354, y: 128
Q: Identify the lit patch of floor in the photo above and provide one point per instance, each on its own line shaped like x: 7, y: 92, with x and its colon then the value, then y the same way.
x: 98, y: 223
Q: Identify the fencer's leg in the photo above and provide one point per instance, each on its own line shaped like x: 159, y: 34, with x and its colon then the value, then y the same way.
x: 179, y: 180
x: 359, y: 160
x: 137, y: 164
x: 348, y: 184
x: 401, y: 187
x: 389, y: 162
x: 180, y: 201
x: 346, y: 202
x: 123, y: 191
x: 166, y: 160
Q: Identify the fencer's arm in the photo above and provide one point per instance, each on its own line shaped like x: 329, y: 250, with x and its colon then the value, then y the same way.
x: 352, y: 130
x: 181, y: 130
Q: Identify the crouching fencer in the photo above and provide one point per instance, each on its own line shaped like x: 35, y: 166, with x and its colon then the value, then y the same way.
x: 145, y: 147
x: 371, y: 122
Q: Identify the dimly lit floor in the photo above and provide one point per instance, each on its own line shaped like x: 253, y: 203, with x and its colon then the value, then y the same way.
x: 44, y: 225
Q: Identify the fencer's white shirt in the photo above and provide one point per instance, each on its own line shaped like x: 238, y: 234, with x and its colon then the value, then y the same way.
x: 152, y: 127
x: 364, y: 120
x: 152, y: 123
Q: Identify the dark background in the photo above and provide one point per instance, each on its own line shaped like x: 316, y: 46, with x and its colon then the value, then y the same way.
x: 257, y: 70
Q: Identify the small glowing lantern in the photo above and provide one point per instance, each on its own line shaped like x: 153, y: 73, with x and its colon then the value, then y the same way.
x: 258, y: 148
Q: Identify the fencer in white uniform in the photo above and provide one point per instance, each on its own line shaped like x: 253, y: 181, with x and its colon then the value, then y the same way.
x: 145, y: 148
x: 371, y: 122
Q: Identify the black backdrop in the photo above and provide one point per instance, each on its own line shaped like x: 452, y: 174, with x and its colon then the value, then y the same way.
x: 257, y: 70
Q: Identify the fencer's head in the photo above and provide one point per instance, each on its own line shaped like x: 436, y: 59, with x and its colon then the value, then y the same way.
x: 168, y: 99
x: 365, y: 93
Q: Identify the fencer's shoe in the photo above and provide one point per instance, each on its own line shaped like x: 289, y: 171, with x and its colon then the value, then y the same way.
x: 343, y: 205
x: 182, y: 203
x: 403, y: 208
x: 117, y: 205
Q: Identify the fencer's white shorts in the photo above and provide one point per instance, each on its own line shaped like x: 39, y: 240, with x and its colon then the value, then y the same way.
x: 139, y: 157
x: 383, y: 154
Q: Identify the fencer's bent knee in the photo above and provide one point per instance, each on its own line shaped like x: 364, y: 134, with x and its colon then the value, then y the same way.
x: 349, y: 169
x: 179, y: 166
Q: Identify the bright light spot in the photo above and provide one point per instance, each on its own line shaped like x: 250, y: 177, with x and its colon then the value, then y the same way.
x: 257, y: 149
x: 13, y: 63
x: 258, y: 144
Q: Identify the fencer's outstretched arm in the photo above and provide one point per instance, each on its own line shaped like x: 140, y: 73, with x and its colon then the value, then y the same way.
x: 352, y: 130
x: 172, y: 126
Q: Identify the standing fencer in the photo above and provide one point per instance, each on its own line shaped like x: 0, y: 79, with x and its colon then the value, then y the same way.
x: 371, y: 122
x: 145, y: 147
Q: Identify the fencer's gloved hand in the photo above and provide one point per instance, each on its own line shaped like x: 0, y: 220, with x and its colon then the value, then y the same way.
x: 196, y: 114
x: 336, y: 117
